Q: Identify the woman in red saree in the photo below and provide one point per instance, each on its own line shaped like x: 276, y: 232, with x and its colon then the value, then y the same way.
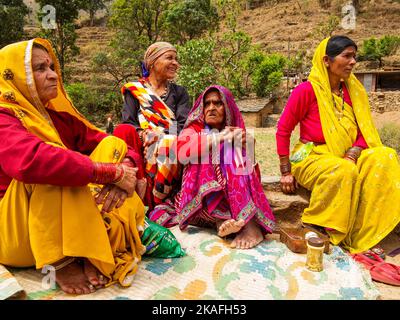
x: 216, y: 189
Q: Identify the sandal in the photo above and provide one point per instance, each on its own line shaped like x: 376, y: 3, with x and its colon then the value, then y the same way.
x: 379, y: 270
x: 375, y: 250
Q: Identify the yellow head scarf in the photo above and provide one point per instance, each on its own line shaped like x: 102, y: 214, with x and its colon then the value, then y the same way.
x: 337, y: 138
x: 18, y: 91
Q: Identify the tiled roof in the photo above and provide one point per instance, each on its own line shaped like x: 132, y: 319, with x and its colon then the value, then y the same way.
x: 252, y: 105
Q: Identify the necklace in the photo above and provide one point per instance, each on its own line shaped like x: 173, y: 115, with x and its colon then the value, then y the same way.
x: 166, y: 91
x: 162, y: 94
x: 339, y: 112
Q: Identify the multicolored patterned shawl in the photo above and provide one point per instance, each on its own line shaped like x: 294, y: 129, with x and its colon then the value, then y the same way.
x: 156, y: 115
x: 216, y: 189
x: 153, y: 113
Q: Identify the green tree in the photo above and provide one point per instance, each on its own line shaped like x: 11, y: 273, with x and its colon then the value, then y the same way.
x: 189, y: 19
x: 326, y: 29
x: 137, y: 24
x: 253, y: 59
x: 268, y: 75
x: 231, y: 55
x: 229, y: 11
x: 64, y: 36
x: 109, y: 63
x: 92, y: 6
x: 139, y: 18
x: 376, y: 49
x: 12, y: 21
x: 197, y: 70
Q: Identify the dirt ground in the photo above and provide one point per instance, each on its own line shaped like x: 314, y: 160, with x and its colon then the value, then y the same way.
x: 381, y: 118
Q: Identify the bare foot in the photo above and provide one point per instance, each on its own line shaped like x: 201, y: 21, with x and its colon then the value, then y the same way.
x: 73, y: 280
x: 229, y: 226
x: 93, y: 275
x: 249, y: 237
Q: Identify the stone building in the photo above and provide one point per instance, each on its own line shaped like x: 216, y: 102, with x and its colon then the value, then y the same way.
x: 379, y: 80
x: 256, y: 111
x: 383, y: 87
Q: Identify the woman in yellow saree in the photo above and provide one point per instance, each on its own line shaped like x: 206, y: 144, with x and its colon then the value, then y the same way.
x: 67, y: 190
x: 354, y: 179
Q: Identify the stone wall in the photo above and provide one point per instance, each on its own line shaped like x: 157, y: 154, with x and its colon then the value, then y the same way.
x: 251, y: 119
x: 384, y: 101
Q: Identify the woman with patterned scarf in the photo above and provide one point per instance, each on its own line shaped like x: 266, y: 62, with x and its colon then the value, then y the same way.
x: 155, y: 110
x: 219, y: 185
x: 354, y: 180
x: 66, y: 188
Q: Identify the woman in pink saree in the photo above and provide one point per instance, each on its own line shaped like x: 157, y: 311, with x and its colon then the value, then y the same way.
x: 218, y: 188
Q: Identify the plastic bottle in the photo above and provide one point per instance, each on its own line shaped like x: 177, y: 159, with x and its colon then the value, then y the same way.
x: 315, y: 254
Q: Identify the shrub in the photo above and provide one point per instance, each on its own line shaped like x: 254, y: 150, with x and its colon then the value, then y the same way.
x: 390, y: 135
x: 268, y: 75
x: 85, y: 99
x: 375, y: 49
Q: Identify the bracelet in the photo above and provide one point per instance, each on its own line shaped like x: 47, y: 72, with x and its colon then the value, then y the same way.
x: 350, y: 157
x: 104, y: 173
x: 121, y: 176
x: 285, y: 168
x: 354, y: 152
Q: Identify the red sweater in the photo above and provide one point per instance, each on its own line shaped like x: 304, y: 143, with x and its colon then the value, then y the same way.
x: 26, y: 158
x: 302, y: 107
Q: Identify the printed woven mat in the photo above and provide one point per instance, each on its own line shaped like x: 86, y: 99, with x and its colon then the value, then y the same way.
x: 211, y: 270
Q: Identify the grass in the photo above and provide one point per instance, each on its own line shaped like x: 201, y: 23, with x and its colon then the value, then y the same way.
x: 266, y: 145
x: 390, y: 135
x: 266, y: 150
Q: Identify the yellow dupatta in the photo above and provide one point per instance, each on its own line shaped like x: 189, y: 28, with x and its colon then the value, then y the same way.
x: 19, y: 94
x: 339, y: 136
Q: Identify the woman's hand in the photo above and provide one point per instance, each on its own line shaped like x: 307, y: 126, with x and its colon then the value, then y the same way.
x: 141, y: 188
x: 111, y: 197
x: 288, y: 183
x: 149, y: 137
x: 128, y: 181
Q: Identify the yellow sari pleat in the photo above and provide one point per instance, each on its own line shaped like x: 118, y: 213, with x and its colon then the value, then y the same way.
x: 42, y: 224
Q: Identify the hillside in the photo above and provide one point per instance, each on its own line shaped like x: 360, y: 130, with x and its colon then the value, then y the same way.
x: 272, y: 27
x: 292, y: 24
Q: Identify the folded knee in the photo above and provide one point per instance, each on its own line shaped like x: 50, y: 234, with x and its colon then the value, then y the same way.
x: 346, y: 168
x: 388, y: 152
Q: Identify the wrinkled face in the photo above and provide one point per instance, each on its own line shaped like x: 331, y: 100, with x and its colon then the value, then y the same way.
x: 342, y: 65
x: 44, y: 75
x: 166, y: 66
x: 214, y: 110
